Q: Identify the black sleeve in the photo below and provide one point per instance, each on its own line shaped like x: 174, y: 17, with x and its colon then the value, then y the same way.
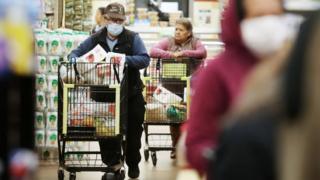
x: 245, y: 152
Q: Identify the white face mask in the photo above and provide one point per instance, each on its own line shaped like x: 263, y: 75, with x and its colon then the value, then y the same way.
x: 265, y: 35
x: 115, y: 29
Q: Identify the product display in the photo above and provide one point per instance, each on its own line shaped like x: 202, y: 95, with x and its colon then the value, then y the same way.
x: 78, y: 14
x: 52, y: 120
x: 130, y: 11
x: 41, y: 43
x: 53, y: 63
x: 41, y: 64
x: 39, y: 120
x: 40, y: 101
x: 54, y: 44
x: 154, y: 18
x: 173, y: 17
x: 40, y: 138
x: 51, y: 138
x: 53, y: 83
x: 53, y: 101
x: 41, y: 82
x: 51, y: 47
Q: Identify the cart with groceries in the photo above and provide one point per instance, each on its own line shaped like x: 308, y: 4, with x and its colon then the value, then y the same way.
x: 167, y: 92
x: 92, y: 100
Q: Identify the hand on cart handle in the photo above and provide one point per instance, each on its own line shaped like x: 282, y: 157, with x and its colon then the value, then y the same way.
x: 73, y: 60
x: 177, y: 55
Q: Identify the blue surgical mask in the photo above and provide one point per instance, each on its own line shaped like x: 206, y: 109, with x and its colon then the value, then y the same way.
x: 115, y: 29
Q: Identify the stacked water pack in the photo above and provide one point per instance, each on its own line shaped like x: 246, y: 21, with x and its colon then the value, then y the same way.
x: 51, y: 47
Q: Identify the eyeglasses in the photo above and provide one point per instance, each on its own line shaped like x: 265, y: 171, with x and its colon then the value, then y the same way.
x: 114, y: 20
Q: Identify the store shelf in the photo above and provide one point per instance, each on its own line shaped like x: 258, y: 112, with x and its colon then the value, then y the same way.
x: 302, y: 5
x: 151, y: 29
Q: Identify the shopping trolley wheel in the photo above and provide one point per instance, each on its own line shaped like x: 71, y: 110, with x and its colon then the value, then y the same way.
x: 121, y: 175
x: 154, y: 158
x: 72, y: 176
x: 60, y: 174
x: 109, y: 176
x: 146, y: 154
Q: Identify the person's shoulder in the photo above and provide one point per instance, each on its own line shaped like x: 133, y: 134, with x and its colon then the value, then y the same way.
x: 130, y: 32
x: 98, y: 34
x: 214, y: 64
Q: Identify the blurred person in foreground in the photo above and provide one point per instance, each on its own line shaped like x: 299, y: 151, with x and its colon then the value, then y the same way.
x: 182, y: 45
x: 246, y: 33
x: 100, y: 20
x: 116, y: 38
x: 264, y: 138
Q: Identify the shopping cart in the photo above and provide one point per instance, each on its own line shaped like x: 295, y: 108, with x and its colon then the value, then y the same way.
x: 91, y: 108
x: 167, y: 95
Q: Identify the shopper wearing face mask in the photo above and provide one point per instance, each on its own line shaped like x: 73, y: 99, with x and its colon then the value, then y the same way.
x: 182, y: 45
x: 220, y: 83
x: 116, y: 38
x: 265, y: 34
x: 264, y: 119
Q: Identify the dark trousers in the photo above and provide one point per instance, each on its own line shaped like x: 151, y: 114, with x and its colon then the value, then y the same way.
x: 111, y: 148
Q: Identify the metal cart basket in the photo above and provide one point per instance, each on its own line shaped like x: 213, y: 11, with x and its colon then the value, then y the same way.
x: 167, y: 95
x: 91, y: 100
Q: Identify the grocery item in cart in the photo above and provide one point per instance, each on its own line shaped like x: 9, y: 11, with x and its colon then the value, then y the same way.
x: 165, y: 96
x: 156, y: 112
x: 41, y: 64
x: 68, y: 74
x: 88, y: 121
x: 53, y: 63
x: 104, y: 126
x: 39, y: 120
x: 177, y: 112
x: 40, y: 138
x: 97, y: 54
x: 88, y: 108
x: 53, y: 101
x: 40, y: 100
x: 52, y: 138
x: 52, y: 120
x: 41, y: 82
x: 53, y: 83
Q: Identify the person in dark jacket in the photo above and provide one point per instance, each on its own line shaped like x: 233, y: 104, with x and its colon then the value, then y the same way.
x: 115, y: 38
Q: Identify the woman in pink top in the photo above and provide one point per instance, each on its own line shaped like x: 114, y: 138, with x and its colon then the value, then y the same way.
x: 182, y: 45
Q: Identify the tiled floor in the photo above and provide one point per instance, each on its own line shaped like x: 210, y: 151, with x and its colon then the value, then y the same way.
x: 165, y: 170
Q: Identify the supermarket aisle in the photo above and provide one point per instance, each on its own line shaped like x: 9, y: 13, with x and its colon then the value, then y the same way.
x: 165, y: 170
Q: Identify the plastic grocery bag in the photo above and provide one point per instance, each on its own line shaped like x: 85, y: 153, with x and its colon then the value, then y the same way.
x: 165, y: 96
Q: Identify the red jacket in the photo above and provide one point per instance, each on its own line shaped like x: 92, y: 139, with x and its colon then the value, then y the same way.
x: 216, y: 88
